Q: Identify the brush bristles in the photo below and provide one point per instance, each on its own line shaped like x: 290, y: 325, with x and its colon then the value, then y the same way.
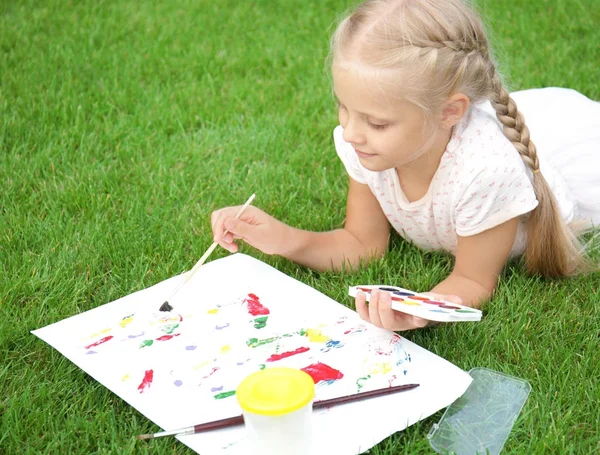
x: 145, y: 436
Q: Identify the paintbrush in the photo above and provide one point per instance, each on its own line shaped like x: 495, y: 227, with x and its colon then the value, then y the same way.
x: 167, y: 306
x: 238, y: 420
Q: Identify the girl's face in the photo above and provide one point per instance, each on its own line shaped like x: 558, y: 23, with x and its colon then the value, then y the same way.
x: 384, y: 132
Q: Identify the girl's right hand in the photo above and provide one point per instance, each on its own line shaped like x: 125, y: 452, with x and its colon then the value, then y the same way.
x: 254, y: 226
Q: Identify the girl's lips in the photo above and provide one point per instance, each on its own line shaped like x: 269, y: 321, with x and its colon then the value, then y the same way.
x: 364, y: 155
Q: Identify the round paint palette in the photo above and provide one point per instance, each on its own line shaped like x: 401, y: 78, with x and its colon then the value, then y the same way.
x: 421, y: 305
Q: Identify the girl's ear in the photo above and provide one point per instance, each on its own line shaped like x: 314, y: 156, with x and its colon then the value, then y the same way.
x: 454, y: 109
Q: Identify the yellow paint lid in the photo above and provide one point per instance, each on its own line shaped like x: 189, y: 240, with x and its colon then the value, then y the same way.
x: 275, y: 391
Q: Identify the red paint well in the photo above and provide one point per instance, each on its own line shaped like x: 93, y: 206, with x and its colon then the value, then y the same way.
x: 147, y: 381
x: 283, y: 355
x: 321, y: 372
x: 103, y: 340
x: 255, y: 308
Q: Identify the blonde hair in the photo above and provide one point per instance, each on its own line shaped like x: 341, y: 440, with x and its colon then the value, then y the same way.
x: 441, y: 48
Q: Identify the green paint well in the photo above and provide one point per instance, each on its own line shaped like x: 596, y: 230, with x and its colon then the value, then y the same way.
x: 220, y: 396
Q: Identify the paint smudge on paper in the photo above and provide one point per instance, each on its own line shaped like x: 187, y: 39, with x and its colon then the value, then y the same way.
x: 99, y: 342
x: 146, y: 343
x: 178, y: 383
x: 126, y: 320
x: 283, y: 355
x: 191, y: 347
x: 220, y: 396
x: 167, y: 337
x: 131, y: 337
x: 316, y: 336
x: 359, y: 382
x: 216, y: 389
x: 323, y: 373
x: 255, y: 342
x: 147, y: 381
x: 169, y: 328
x: 91, y: 352
x: 255, y: 308
x: 221, y: 327
x: 261, y: 322
x: 332, y: 344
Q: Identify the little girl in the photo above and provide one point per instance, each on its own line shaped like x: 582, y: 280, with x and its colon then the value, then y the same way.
x: 438, y: 150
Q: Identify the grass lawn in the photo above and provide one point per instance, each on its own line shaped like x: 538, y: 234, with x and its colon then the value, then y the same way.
x: 124, y: 123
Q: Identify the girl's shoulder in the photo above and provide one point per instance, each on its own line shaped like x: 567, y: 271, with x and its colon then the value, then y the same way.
x: 479, y: 139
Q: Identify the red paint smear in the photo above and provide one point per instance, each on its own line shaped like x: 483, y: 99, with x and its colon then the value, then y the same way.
x: 148, y: 377
x: 365, y: 289
x: 418, y: 297
x: 321, y: 372
x: 103, y: 340
x: 167, y: 337
x: 211, y: 373
x: 398, y: 299
x: 283, y: 355
x: 255, y: 308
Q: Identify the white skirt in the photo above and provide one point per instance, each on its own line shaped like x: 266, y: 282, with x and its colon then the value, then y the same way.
x: 565, y: 127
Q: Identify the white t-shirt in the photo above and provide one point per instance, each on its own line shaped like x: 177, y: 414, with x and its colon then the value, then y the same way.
x: 480, y: 183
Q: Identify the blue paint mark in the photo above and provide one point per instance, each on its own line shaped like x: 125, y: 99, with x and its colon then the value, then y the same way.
x: 178, y: 383
x: 220, y: 327
x: 190, y: 347
x: 91, y: 352
x: 135, y: 336
x: 216, y: 389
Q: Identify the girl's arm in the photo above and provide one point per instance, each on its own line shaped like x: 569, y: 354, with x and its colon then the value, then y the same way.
x: 480, y: 259
x: 364, y: 236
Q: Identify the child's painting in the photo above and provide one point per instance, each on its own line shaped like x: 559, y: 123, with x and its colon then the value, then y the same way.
x: 421, y: 305
x: 238, y: 315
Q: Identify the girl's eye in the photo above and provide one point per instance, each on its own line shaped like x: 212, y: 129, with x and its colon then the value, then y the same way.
x: 375, y: 126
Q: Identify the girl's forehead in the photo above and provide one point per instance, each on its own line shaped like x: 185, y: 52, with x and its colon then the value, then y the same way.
x: 374, y: 89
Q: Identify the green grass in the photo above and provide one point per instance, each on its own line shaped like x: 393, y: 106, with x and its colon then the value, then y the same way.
x: 123, y: 124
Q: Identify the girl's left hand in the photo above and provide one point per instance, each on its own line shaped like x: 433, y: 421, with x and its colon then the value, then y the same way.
x: 379, y: 311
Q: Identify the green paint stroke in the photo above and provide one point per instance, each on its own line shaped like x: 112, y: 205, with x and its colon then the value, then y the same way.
x: 465, y: 311
x: 220, y: 396
x: 170, y: 328
x: 255, y: 342
x: 262, y: 366
x: 261, y: 322
x: 146, y: 343
x: 358, y: 381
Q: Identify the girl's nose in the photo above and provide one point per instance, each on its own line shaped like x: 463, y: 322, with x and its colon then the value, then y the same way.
x: 353, y: 133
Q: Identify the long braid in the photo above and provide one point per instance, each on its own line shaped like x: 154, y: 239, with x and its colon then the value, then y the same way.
x: 552, y: 248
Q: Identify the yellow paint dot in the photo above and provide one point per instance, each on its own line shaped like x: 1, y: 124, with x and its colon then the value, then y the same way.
x: 126, y: 321
x: 213, y: 311
x: 125, y: 378
x: 381, y: 368
x: 316, y: 336
x: 225, y: 349
x: 105, y: 330
x: 411, y: 303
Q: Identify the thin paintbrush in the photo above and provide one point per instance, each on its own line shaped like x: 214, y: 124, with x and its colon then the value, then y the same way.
x: 238, y: 420
x: 166, y: 306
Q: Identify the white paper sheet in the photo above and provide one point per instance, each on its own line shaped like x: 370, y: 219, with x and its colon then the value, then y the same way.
x: 238, y: 315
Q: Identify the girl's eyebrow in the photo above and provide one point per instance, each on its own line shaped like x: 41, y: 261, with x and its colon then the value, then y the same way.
x: 370, y: 116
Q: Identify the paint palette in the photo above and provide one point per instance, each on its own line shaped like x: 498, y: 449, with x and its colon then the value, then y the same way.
x: 422, y: 305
